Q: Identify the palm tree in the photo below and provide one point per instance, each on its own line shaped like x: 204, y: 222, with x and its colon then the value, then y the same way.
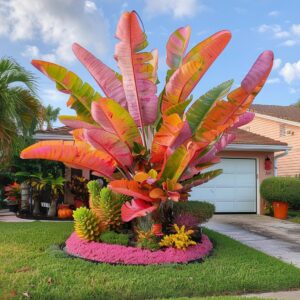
x: 20, y: 109
x: 297, y: 103
x: 50, y: 115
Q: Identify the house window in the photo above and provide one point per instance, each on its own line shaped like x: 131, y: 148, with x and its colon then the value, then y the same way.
x: 282, y: 130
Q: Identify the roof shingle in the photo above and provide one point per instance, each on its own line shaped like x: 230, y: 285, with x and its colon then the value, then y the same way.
x: 290, y: 113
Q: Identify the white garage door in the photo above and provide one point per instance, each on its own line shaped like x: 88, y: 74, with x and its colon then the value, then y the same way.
x: 234, y: 190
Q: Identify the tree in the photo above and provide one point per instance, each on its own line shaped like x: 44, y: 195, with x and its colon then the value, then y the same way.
x: 50, y: 115
x: 20, y: 109
x: 297, y: 104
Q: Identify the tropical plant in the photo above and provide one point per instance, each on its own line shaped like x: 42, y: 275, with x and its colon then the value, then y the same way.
x: 86, y: 224
x: 20, y: 109
x: 50, y: 115
x: 106, y: 205
x: 13, y: 193
x: 180, y: 240
x: 78, y: 187
x: 151, y: 148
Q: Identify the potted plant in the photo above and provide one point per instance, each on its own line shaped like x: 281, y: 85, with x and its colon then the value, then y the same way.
x: 13, y: 196
x: 280, y: 192
x: 78, y: 187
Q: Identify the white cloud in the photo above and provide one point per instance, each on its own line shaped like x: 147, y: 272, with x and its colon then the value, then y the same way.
x: 290, y: 36
x: 296, y: 29
x: 277, y: 63
x: 34, y: 52
x: 56, y: 23
x: 290, y: 72
x: 273, y: 13
x: 289, y: 43
x: 178, y: 8
x: 90, y: 6
x: 273, y: 80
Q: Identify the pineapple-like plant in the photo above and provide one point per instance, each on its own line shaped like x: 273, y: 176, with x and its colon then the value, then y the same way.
x: 151, y: 147
x: 86, y: 224
x: 106, y: 205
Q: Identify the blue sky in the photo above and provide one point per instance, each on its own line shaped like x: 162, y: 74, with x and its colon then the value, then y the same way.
x: 46, y: 30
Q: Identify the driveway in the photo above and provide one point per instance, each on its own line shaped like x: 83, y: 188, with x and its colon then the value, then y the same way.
x: 274, y: 237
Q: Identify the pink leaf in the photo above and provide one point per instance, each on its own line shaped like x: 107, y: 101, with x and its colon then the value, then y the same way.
x: 136, y: 70
x: 137, y: 208
x: 104, y: 76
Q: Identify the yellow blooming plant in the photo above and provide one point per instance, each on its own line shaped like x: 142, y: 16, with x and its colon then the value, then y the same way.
x: 180, y: 240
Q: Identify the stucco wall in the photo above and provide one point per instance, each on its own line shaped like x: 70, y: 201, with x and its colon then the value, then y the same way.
x: 288, y: 165
x: 261, y: 173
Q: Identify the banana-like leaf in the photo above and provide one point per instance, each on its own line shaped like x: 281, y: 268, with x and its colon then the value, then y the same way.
x: 177, y: 83
x: 225, y: 113
x: 206, y: 51
x: 201, y: 107
x: 244, y: 119
x: 103, y: 75
x: 111, y: 144
x: 114, y: 118
x: 200, y: 179
x: 135, y: 208
x: 130, y: 188
x: 79, y: 154
x: 136, y: 70
x: 77, y: 122
x: 154, y: 63
x: 177, y: 45
x: 175, y: 165
x: 178, y: 108
x: 69, y: 83
x: 165, y: 137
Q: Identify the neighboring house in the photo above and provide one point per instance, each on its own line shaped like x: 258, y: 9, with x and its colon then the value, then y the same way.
x: 243, y: 164
x: 281, y: 123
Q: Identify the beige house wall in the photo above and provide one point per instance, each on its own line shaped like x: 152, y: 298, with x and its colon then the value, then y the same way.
x: 288, y: 165
x: 260, y: 168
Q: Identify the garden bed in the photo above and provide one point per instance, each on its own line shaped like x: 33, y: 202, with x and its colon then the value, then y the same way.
x: 118, y: 254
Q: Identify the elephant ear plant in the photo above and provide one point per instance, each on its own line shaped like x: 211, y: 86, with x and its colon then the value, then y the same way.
x: 152, y: 147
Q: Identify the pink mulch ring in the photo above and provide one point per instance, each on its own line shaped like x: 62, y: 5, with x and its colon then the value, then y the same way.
x: 117, y: 254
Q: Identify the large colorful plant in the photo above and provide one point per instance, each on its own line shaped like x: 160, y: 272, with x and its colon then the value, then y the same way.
x: 151, y: 147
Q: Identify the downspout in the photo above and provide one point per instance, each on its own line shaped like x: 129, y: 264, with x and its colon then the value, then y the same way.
x: 286, y: 152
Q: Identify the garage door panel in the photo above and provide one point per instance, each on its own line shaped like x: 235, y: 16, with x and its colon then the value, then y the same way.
x: 232, y: 191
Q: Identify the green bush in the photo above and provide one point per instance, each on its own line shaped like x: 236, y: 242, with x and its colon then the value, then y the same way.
x: 200, y: 209
x: 111, y: 237
x: 285, y: 189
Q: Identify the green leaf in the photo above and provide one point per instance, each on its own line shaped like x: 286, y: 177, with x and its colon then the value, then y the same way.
x: 178, y: 108
x: 201, y: 107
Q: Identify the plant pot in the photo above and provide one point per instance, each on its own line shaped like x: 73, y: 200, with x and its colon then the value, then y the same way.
x: 52, y: 209
x: 280, y: 210
x: 13, y: 207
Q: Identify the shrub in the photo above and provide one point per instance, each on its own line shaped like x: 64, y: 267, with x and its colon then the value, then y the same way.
x: 111, y: 237
x: 285, y: 189
x: 200, y: 209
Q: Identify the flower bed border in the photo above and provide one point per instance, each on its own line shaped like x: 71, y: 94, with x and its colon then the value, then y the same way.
x: 118, y: 254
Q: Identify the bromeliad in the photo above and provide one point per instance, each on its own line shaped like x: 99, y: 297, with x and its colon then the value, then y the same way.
x: 150, y: 147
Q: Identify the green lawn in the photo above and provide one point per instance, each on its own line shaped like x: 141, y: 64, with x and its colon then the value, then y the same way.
x: 30, y: 262
x: 294, y: 216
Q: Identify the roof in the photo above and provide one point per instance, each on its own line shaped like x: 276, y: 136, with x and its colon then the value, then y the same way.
x: 250, y: 138
x: 253, y: 140
x: 290, y: 113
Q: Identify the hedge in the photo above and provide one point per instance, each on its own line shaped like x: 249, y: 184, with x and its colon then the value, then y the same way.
x: 285, y: 189
x: 200, y: 209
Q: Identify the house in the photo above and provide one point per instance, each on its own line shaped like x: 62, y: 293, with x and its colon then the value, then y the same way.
x: 281, y: 123
x: 243, y: 164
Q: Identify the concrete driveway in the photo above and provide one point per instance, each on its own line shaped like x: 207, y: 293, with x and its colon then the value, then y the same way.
x: 274, y: 237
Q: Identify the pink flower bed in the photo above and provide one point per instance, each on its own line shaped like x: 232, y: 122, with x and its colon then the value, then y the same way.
x: 117, y: 254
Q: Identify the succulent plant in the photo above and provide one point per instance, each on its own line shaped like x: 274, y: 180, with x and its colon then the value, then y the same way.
x: 86, y: 224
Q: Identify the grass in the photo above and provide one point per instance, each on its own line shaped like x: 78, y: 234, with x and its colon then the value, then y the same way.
x: 294, y: 216
x: 32, y: 263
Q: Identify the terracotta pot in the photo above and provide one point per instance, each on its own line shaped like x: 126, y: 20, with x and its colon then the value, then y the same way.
x: 64, y: 212
x: 280, y: 209
x: 157, y: 229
